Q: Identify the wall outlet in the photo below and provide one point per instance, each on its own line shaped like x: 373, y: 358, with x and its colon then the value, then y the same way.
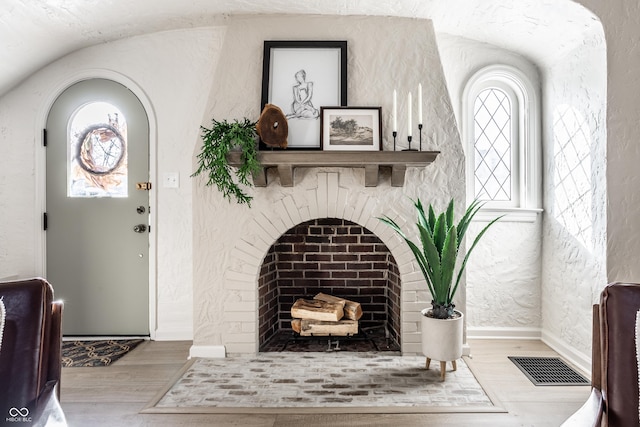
x: 171, y: 180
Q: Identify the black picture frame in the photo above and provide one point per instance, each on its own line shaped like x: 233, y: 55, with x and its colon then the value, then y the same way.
x: 293, y: 67
x: 361, y: 128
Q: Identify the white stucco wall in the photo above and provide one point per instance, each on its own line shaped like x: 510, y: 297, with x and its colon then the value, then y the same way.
x: 230, y: 241
x: 19, y: 217
x: 621, y: 21
x: 503, y: 273
x: 154, y: 63
x: 574, y: 240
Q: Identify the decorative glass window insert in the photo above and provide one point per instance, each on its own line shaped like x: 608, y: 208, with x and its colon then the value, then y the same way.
x: 572, y: 173
x: 97, y: 143
x: 493, y: 145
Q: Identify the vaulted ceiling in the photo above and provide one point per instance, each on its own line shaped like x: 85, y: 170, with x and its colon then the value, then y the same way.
x: 33, y: 33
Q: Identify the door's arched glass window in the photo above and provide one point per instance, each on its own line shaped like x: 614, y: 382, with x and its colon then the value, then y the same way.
x: 97, y: 152
x: 493, y: 145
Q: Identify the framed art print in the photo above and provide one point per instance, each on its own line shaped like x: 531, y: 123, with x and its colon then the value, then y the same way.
x: 351, y: 128
x: 300, y: 77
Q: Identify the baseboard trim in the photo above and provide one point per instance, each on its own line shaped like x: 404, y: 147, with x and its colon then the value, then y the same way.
x: 173, y: 335
x: 507, y: 333
x: 466, y: 349
x: 209, y: 351
x: 574, y: 357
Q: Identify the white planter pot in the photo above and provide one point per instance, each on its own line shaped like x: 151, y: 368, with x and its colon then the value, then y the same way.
x: 442, y: 338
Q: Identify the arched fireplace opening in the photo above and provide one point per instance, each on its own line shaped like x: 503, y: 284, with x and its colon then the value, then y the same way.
x: 332, y: 256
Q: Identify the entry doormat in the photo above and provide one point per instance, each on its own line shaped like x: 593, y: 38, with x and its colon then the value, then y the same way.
x: 95, y: 353
x: 548, y: 371
x: 339, y: 382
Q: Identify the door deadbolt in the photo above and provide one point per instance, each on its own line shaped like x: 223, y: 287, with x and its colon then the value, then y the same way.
x: 141, y: 210
x: 140, y: 228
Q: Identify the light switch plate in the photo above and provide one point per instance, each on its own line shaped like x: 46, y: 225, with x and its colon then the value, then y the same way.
x: 171, y: 180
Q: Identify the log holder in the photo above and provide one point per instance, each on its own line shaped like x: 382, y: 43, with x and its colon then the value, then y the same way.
x: 333, y: 341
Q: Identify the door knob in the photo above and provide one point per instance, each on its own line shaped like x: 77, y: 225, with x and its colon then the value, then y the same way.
x: 140, y: 228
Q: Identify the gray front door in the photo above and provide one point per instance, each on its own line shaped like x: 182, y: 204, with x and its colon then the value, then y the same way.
x: 97, y: 218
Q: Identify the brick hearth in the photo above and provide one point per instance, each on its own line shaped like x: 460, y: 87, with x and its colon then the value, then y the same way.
x: 333, y: 256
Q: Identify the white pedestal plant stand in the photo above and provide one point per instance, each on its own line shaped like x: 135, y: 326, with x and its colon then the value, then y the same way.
x: 442, y: 340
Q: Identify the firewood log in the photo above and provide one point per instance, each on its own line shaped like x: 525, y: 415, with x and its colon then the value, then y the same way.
x: 352, y: 309
x: 310, y: 327
x: 317, y: 310
x: 296, y: 325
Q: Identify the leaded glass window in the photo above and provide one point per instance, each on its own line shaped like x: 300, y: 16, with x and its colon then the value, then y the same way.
x: 500, y: 126
x: 493, y: 145
x: 572, y: 172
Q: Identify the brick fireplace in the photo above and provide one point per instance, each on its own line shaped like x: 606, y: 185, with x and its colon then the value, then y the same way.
x: 329, y: 221
x: 232, y: 244
x: 334, y: 256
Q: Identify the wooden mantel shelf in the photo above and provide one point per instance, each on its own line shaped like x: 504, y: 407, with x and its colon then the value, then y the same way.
x: 371, y: 161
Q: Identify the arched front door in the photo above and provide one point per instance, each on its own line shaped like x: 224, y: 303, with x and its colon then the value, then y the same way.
x: 97, y: 215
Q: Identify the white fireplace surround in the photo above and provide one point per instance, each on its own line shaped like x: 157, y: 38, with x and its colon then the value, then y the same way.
x: 327, y: 200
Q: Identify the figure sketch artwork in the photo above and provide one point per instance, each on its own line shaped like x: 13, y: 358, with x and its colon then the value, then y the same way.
x: 300, y: 78
x: 302, y: 105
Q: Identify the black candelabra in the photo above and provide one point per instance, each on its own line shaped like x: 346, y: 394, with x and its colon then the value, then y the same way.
x: 409, y: 138
x: 409, y: 149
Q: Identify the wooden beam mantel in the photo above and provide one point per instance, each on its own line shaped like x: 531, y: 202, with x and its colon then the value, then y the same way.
x: 371, y: 161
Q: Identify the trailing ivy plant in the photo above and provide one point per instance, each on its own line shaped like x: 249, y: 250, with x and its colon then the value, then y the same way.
x: 218, y: 141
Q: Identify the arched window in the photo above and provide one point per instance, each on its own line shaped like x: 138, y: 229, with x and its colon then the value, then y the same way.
x: 500, y: 130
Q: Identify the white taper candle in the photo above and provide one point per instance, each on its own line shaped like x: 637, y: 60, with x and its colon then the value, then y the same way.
x: 395, y: 111
x: 409, y: 115
x: 420, y: 103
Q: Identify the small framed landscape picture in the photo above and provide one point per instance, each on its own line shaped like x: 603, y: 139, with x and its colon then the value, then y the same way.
x: 350, y: 128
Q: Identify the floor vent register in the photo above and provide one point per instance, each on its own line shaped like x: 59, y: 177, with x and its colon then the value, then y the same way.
x: 548, y: 371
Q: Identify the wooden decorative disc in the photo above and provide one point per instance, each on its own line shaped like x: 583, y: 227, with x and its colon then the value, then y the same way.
x: 272, y: 127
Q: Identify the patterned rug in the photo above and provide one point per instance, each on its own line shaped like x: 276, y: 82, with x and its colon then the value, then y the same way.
x: 321, y: 382
x: 95, y: 353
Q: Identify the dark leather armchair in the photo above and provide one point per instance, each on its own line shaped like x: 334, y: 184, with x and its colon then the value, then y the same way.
x: 614, y: 397
x: 30, y: 353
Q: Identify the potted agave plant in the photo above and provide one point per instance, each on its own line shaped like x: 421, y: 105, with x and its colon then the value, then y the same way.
x: 437, y: 256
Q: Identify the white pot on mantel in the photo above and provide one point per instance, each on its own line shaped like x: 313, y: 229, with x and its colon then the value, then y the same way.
x: 442, y: 338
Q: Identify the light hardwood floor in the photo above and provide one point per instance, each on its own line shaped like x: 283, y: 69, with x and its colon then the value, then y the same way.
x: 113, y: 396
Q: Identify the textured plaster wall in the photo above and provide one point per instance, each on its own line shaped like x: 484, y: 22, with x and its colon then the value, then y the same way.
x: 230, y: 241
x: 503, y: 273
x: 621, y: 21
x: 155, y: 62
x: 574, y: 240
x: 18, y: 143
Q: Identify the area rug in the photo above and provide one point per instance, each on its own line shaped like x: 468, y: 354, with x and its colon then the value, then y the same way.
x: 336, y: 382
x: 95, y: 353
